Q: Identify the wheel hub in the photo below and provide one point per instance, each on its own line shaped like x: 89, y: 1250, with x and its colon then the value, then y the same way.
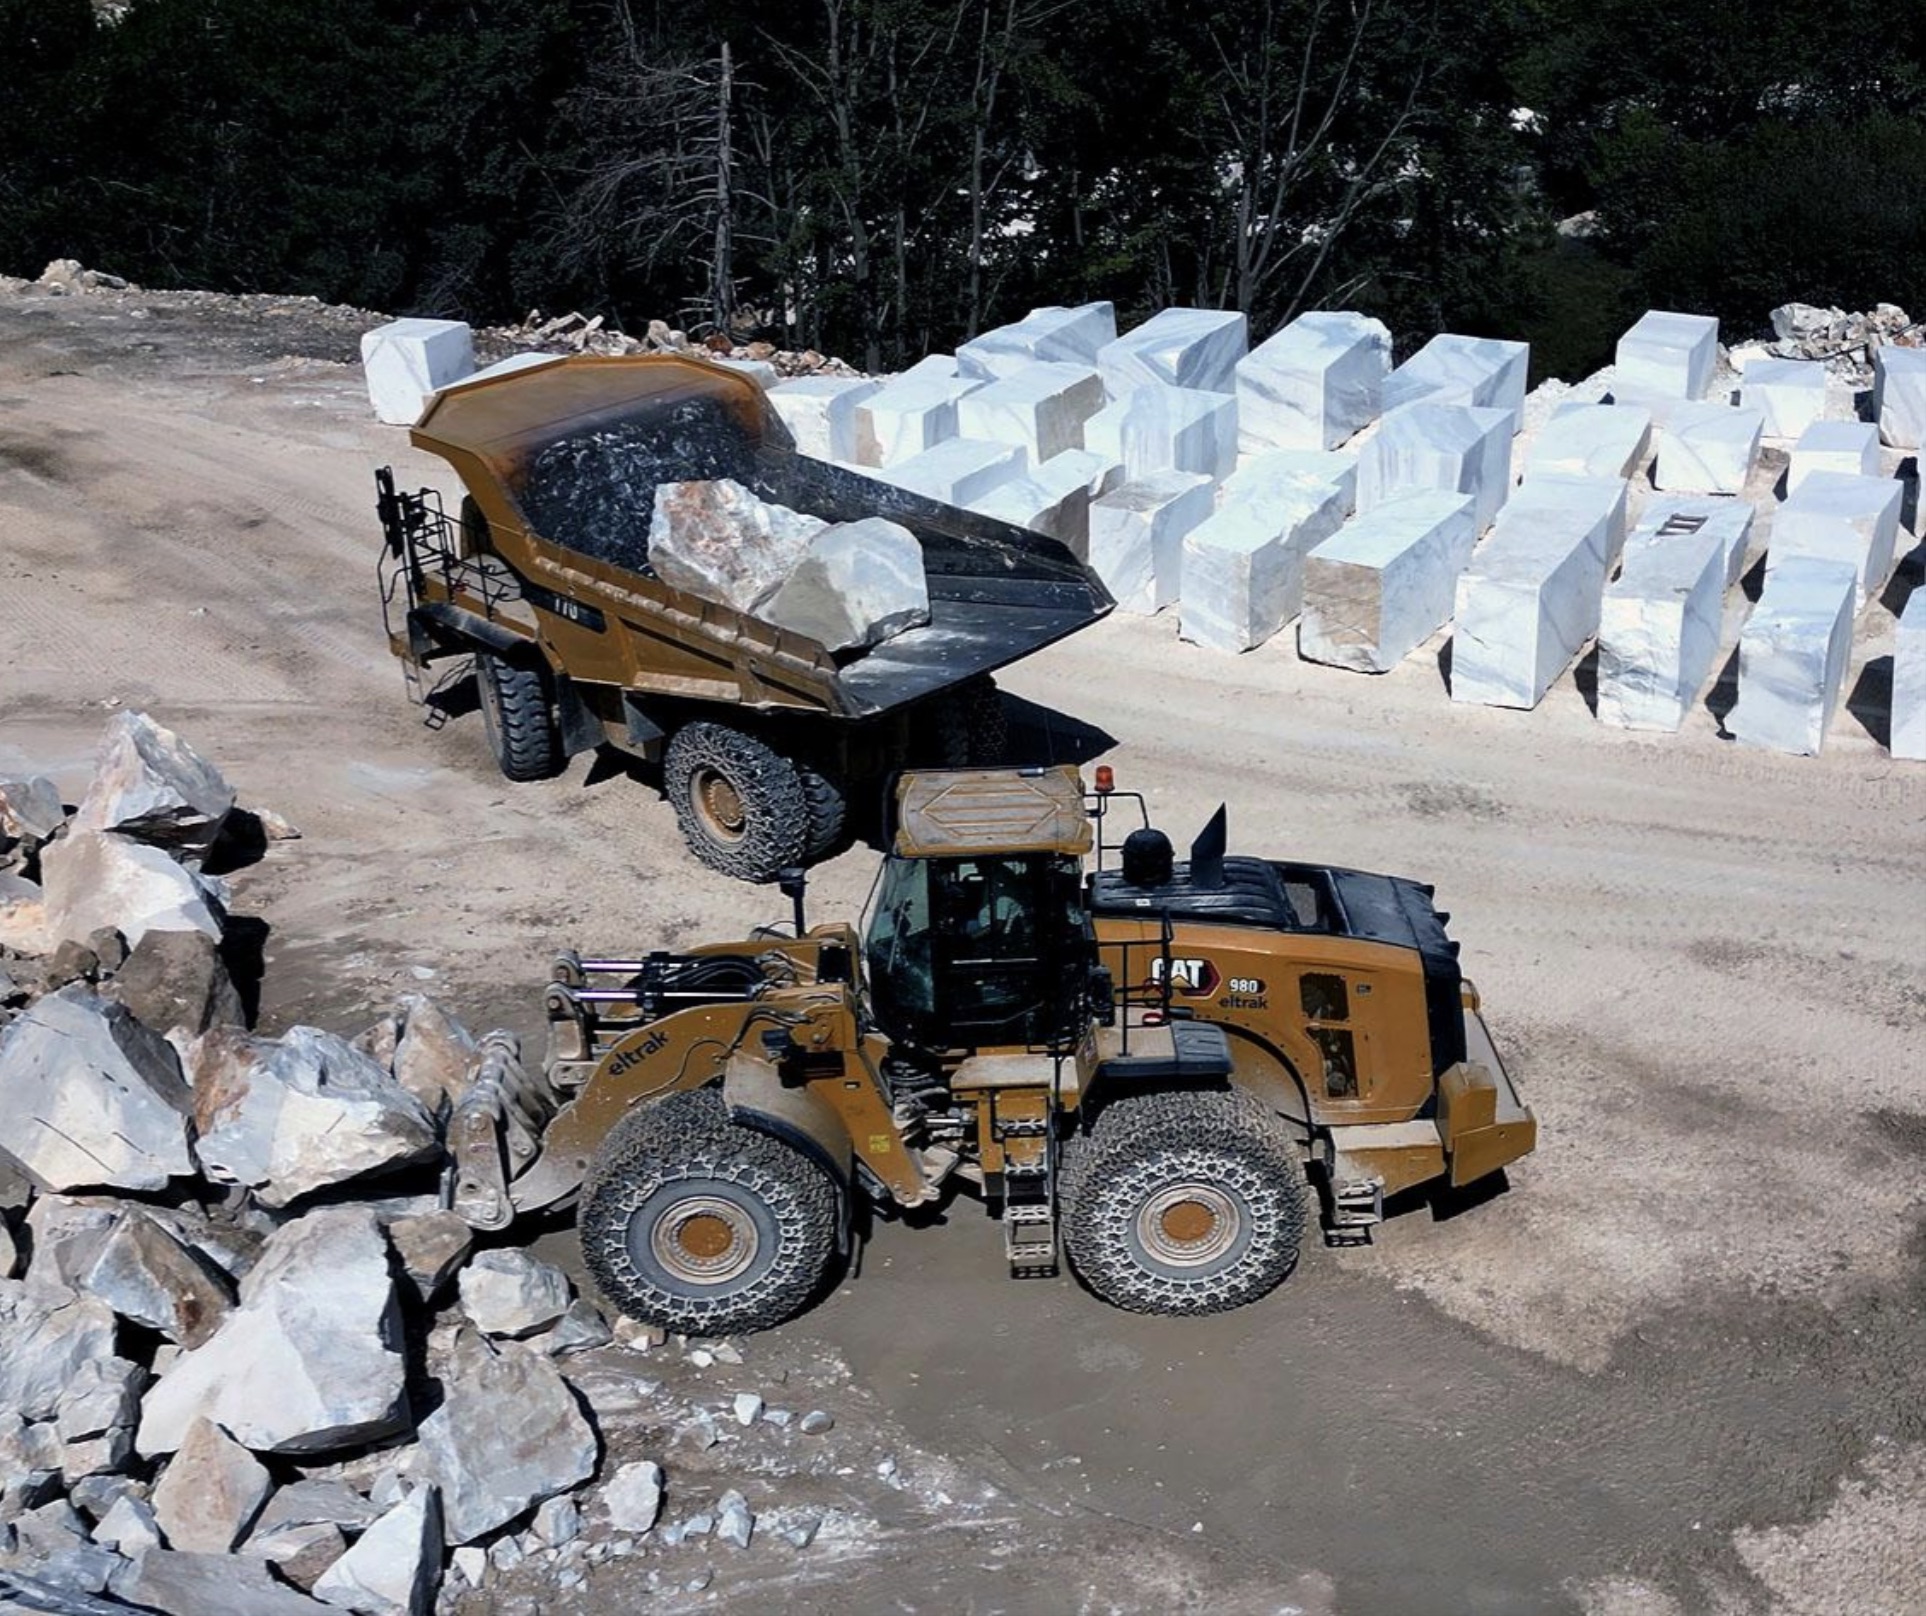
x: 1188, y: 1225
x: 720, y: 804
x: 704, y: 1240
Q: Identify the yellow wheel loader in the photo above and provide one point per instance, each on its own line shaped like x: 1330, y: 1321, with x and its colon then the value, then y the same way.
x: 1151, y: 1066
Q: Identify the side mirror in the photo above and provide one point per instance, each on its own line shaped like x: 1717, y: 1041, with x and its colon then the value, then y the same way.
x: 792, y: 880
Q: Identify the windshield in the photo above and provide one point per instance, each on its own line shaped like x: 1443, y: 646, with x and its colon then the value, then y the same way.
x: 897, y: 944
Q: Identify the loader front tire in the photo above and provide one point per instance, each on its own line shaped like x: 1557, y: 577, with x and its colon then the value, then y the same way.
x: 828, y: 801
x: 741, y: 804
x: 518, y: 718
x: 695, y: 1224
x: 1183, y: 1203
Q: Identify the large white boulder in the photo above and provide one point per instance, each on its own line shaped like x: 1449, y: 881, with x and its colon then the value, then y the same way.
x: 1850, y: 447
x: 1909, y: 681
x: 958, y: 470
x: 1155, y: 428
x: 151, y: 786
x: 23, y: 915
x: 309, y: 1362
x: 1899, y: 395
x: 1531, y: 596
x: 1385, y: 581
x: 1137, y: 536
x: 820, y: 413
x: 1189, y: 348
x: 178, y: 1584
x: 509, y: 1433
x: 718, y: 540
x: 1072, y: 336
x: 1592, y: 440
x: 30, y: 810
x: 98, y: 879
x: 1835, y: 516
x: 1041, y: 409
x: 1658, y: 631
x: 91, y: 1097
x: 1669, y: 516
x: 1666, y: 355
x: 1482, y: 372
x: 859, y: 583
x: 510, y: 1293
x: 406, y: 361
x: 1313, y: 383
x: 1243, y: 568
x: 1448, y: 447
x: 1706, y: 448
x: 290, y: 1116
x: 1793, y: 654
x: 1789, y: 394
x: 914, y: 412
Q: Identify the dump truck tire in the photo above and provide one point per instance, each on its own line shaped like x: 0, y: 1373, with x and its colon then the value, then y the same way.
x: 828, y: 808
x: 972, y: 729
x: 518, y: 719
x: 741, y: 804
x: 697, y: 1225
x: 1183, y: 1203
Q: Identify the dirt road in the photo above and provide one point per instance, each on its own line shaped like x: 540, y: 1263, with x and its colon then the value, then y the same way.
x: 1673, y: 1369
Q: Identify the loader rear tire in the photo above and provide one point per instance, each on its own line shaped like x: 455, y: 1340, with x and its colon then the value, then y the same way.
x: 741, y: 804
x: 1184, y: 1203
x: 518, y: 719
x: 695, y: 1224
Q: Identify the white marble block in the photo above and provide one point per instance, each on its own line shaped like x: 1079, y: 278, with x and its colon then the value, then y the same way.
x: 958, y: 471
x: 1072, y: 336
x: 406, y: 361
x: 1789, y: 393
x: 1838, y: 517
x: 1097, y: 472
x: 1041, y: 407
x: 1052, y: 499
x: 1592, y: 440
x: 1483, y: 372
x: 1658, y: 630
x: 1899, y: 395
x: 1381, y: 585
x: 1312, y: 384
x: 1706, y: 448
x: 906, y: 416
x: 1137, y: 536
x: 1530, y: 598
x: 1909, y: 680
x: 1666, y: 356
x: 1671, y: 516
x: 1159, y: 428
x: 1277, y: 470
x: 1243, y: 568
x: 820, y: 412
x: 1197, y: 348
x: 1851, y: 447
x: 931, y: 367
x: 1793, y: 654
x: 1439, y: 446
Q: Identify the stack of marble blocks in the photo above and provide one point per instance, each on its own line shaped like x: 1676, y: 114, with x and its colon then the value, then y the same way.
x: 1658, y: 632
x: 1532, y: 594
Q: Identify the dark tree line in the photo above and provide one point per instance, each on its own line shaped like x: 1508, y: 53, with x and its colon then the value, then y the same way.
x: 880, y: 178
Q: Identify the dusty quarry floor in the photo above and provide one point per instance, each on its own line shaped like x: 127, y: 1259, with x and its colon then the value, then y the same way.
x: 1677, y: 1368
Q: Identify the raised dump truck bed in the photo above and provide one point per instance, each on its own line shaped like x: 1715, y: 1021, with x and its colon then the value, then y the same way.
x: 761, y: 731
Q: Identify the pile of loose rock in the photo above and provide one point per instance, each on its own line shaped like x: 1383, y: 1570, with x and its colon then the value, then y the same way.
x: 580, y: 333
x: 249, y: 1364
x: 1846, y: 342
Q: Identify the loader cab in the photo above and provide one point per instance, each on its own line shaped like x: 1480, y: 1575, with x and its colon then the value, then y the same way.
x: 976, y: 935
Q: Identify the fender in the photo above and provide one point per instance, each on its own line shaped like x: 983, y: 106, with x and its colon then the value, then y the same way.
x: 756, y: 1095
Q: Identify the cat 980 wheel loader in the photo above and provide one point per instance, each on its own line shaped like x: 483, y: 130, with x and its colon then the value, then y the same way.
x: 1151, y: 1067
